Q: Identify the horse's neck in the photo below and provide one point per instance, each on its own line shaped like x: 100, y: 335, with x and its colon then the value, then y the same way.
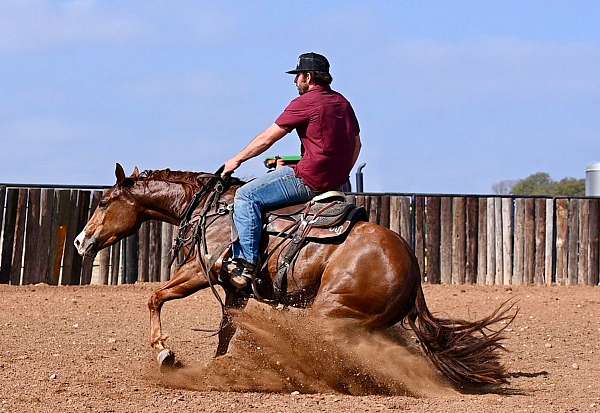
x: 166, y: 201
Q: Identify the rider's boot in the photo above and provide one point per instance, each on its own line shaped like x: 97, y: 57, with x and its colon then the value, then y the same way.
x: 240, y: 272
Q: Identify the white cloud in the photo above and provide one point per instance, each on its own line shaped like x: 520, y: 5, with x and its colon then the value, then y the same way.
x: 33, y: 25
x: 41, y: 25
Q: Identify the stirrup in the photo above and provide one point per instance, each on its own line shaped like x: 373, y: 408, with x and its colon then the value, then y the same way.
x: 239, y: 281
x: 240, y: 272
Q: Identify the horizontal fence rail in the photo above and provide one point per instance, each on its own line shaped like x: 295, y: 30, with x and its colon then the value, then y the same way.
x: 457, y: 239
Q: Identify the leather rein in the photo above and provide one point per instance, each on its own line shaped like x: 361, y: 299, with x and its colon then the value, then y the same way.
x: 212, y: 192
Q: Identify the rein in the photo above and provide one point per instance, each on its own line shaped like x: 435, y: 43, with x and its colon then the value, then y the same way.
x: 212, y: 191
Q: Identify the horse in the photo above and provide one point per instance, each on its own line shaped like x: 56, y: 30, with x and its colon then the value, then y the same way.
x: 371, y: 279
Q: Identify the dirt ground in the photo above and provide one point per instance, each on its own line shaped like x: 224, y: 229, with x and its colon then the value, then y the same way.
x: 80, y: 349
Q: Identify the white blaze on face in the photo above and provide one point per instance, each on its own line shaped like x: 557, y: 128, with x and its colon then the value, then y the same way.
x: 80, y: 243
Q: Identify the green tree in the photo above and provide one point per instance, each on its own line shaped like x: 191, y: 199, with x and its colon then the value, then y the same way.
x: 540, y: 183
x: 570, y: 187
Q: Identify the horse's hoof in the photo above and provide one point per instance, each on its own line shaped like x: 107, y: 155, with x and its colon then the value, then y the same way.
x: 166, y: 360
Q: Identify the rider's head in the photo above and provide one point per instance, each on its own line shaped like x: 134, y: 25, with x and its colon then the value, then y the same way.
x: 312, y: 69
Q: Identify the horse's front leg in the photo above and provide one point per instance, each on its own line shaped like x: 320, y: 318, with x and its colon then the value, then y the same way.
x: 187, y: 280
x: 233, y: 300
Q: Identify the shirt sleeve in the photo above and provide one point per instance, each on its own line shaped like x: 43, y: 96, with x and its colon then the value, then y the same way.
x: 356, y: 125
x: 294, y: 115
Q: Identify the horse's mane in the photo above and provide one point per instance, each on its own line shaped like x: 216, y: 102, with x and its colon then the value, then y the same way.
x: 181, y: 177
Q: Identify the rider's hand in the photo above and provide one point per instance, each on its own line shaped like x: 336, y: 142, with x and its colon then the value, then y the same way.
x: 230, y: 166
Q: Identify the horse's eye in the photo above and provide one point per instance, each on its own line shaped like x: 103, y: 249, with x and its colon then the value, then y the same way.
x: 102, y: 204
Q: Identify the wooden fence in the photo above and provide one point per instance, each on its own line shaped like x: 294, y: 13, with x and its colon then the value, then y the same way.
x: 457, y: 239
x: 495, y: 240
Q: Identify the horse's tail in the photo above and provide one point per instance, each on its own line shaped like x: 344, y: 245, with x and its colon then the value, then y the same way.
x: 465, y: 352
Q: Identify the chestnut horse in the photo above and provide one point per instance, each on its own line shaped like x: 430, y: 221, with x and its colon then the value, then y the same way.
x: 371, y: 279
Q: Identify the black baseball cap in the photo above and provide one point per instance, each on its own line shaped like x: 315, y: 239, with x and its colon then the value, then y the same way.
x: 311, y: 62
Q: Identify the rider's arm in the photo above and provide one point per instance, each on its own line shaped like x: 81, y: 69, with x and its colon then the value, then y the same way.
x: 357, y: 146
x: 258, y: 145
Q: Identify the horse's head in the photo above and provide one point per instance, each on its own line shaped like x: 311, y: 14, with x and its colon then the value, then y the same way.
x: 118, y: 215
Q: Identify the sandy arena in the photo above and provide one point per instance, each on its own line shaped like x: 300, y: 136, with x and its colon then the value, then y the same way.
x: 85, y: 349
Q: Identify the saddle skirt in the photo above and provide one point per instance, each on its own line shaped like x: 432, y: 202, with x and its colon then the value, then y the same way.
x: 319, y: 218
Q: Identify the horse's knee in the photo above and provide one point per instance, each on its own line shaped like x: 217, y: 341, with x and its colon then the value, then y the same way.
x: 154, y: 302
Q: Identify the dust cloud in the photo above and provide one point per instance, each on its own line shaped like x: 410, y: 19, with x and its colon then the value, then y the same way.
x: 286, y: 351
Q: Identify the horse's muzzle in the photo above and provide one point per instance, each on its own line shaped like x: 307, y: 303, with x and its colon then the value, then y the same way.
x: 85, y: 246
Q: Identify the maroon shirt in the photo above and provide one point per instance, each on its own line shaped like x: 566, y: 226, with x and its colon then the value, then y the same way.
x: 327, y: 127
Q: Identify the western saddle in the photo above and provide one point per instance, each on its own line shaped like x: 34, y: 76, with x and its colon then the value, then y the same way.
x: 326, y: 218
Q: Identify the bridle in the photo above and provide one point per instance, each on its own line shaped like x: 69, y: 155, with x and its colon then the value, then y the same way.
x: 193, y: 231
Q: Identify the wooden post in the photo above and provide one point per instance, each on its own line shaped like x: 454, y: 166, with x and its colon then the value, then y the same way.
x: 367, y: 206
x: 45, y: 238
x: 446, y: 240
x: 60, y: 221
x: 573, y: 241
x: 420, y: 233
x: 405, y: 222
x: 519, y: 243
x: 562, y: 240
x: 529, y: 245
x: 540, y: 241
x: 143, y: 243
x: 395, y: 214
x: 507, y: 240
x: 374, y: 208
x: 584, y: 242
x: 165, y: 259
x: 499, y: 278
x: 384, y: 214
x: 123, y: 268
x: 491, y: 243
x: 359, y: 201
x: 115, y: 263
x: 471, y: 251
x: 550, y: 253
x: 71, y: 272
x: 131, y: 259
x: 87, y: 264
x: 8, y: 237
x: 2, y: 198
x: 83, y: 210
x: 458, y: 240
x: 32, y: 232
x: 3, y: 279
x: 482, y: 241
x: 175, y: 264
x: 594, y: 251
x: 17, y: 257
x: 432, y: 239
x: 154, y: 252
x: 104, y: 264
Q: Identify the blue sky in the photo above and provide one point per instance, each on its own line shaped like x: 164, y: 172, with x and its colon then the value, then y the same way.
x: 451, y: 96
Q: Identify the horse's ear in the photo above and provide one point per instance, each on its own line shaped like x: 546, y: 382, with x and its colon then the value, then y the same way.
x: 119, y: 173
x: 135, y: 173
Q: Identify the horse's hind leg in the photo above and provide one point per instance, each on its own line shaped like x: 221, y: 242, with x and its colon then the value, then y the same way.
x: 187, y: 280
x: 233, y: 300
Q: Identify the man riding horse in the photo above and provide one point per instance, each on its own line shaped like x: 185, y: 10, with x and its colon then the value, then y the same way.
x: 366, y: 275
x: 329, y: 135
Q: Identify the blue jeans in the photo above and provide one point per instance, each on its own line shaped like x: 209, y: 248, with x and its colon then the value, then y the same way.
x: 272, y: 190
